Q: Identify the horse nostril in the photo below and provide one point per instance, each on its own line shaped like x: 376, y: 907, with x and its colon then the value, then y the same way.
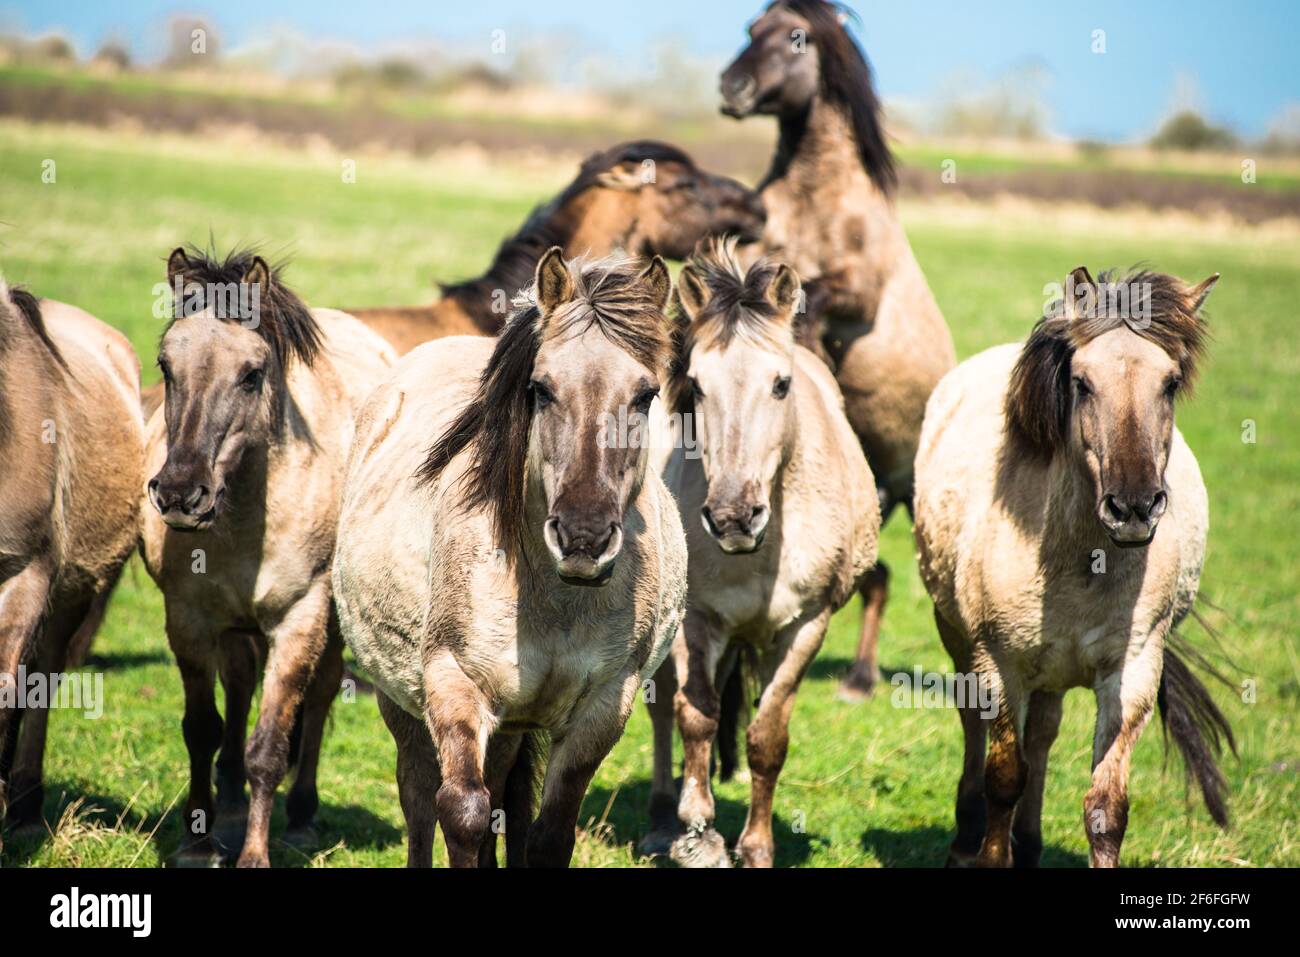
x: 1116, y: 510
x: 709, y: 525
x: 1158, y: 504
x: 197, y: 495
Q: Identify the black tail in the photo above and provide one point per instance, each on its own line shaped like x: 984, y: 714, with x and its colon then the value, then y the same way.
x: 1189, y: 716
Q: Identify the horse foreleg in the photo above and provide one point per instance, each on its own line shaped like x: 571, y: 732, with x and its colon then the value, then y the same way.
x: 303, y: 800
x: 194, y: 645
x: 27, y: 790
x: 860, y: 682
x: 697, y: 709
x: 1005, y: 773
x: 297, y: 644
x: 418, y: 779
x: 768, y: 737
x: 460, y: 723
x: 1041, y: 725
x: 22, y: 604
x: 972, y: 809
x: 575, y: 756
x: 1125, y: 700
x: 239, y: 669
x: 663, y: 792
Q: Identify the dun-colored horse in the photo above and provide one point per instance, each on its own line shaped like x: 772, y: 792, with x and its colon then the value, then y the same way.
x: 247, y: 458
x: 1061, y: 520
x: 830, y: 202
x: 71, y: 454
x: 781, y: 524
x: 507, y: 564
x: 642, y: 198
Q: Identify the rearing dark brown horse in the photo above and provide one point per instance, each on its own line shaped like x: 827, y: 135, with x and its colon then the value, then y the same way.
x: 830, y: 203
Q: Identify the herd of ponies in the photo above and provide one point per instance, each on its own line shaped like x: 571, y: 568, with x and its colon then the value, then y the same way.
x: 440, y: 489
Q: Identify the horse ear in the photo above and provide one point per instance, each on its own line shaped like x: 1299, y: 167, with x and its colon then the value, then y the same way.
x: 692, y: 292
x: 626, y: 176
x: 554, y: 284
x: 1201, y: 291
x: 1080, y: 294
x: 177, y: 265
x: 783, y: 292
x: 258, y: 274
x: 660, y: 282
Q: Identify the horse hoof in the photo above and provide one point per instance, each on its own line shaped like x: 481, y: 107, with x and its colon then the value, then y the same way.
x: 302, y: 838
x: 251, y: 861
x: 700, y: 848
x: 192, y: 857
x: 856, y: 687
x: 228, y: 836
x: 658, y: 842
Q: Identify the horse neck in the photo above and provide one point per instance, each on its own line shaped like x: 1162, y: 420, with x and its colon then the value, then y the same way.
x: 513, y: 266
x: 1070, y: 527
x: 817, y: 165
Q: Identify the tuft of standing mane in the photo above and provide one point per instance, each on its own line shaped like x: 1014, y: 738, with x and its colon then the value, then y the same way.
x: 1166, y: 313
x: 737, y: 306
x: 846, y: 81
x: 494, y: 426
x: 283, y: 320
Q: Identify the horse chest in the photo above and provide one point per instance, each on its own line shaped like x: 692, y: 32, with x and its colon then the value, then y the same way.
x: 557, y: 675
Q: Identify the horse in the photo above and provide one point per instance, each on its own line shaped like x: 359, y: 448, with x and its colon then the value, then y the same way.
x: 71, y: 455
x: 508, y: 567
x: 781, y: 526
x: 829, y: 195
x: 1061, y: 521
x: 246, y: 457
x: 644, y: 198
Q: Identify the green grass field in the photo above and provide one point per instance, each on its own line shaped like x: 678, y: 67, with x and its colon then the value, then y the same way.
x: 864, y: 785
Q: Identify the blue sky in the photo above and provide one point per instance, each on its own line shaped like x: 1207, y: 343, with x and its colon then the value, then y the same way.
x: 1244, y: 57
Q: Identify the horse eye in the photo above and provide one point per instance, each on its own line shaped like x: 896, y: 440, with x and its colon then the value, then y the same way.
x: 252, y: 380
x: 165, y: 370
x: 542, y: 396
x: 696, y: 391
x: 1081, y: 388
x: 782, y: 387
x: 1172, y: 387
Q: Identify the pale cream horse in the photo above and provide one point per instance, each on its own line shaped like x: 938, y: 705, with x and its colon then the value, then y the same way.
x: 71, y: 453
x: 507, y: 564
x: 830, y: 195
x: 781, y: 523
x: 247, y: 457
x: 1062, y: 520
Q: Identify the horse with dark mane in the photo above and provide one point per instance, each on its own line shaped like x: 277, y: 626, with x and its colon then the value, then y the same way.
x: 502, y: 571
x: 830, y: 202
x: 1061, y: 521
x: 642, y: 198
x: 247, y: 456
x: 71, y: 454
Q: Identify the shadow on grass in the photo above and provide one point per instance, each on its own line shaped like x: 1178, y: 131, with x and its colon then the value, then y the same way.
x: 629, y: 819
x: 356, y: 826
x: 832, y: 668
x: 126, y: 659
x: 928, y: 847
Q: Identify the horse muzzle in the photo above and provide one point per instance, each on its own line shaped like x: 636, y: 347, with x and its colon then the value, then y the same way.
x: 584, y: 552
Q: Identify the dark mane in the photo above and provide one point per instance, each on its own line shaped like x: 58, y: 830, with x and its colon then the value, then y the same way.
x: 737, y: 306
x: 29, y: 310
x: 283, y: 320
x: 1038, y: 397
x: 846, y: 81
x: 551, y: 224
x: 494, y: 425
